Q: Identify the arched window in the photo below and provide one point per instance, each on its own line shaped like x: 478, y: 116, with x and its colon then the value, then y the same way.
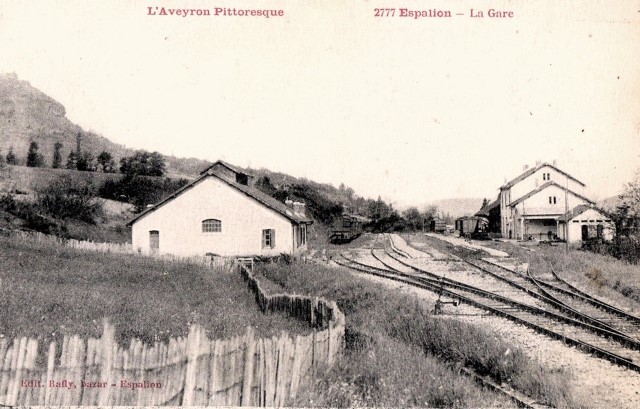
x: 211, y: 226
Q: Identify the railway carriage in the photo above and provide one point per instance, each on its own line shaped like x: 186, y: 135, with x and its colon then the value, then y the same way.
x: 347, y: 227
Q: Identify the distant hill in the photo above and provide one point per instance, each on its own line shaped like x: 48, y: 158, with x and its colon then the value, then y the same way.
x: 27, y: 114
x: 457, y: 207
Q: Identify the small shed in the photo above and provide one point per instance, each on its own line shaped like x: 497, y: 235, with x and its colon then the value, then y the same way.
x: 586, y: 222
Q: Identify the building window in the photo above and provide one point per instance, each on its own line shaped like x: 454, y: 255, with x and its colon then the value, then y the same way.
x: 211, y: 226
x: 552, y: 200
x: 302, y: 235
x: 544, y: 176
x: 268, y: 238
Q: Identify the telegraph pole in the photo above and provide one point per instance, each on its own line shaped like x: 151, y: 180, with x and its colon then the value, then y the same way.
x: 566, y: 216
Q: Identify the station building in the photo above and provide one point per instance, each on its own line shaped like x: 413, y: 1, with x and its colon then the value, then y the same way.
x: 541, y: 202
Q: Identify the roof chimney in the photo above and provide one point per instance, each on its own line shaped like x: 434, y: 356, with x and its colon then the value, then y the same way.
x: 299, y: 207
x: 555, y: 162
x: 538, y: 162
x: 525, y: 167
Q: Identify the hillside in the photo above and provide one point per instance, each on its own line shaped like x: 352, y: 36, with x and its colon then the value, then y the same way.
x: 27, y: 114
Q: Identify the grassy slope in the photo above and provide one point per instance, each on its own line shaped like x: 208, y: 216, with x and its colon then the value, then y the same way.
x: 397, y: 350
x: 49, y: 289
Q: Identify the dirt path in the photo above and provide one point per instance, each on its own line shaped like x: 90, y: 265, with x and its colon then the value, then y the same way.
x: 456, y: 241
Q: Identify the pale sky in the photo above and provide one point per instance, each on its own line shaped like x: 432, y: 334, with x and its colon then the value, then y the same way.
x: 412, y: 110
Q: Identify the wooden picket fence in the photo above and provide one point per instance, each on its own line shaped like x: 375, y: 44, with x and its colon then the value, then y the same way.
x: 241, y: 371
x: 119, y: 248
x: 72, y: 243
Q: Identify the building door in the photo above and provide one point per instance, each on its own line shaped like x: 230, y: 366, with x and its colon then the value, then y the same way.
x: 154, y: 241
x: 585, y: 232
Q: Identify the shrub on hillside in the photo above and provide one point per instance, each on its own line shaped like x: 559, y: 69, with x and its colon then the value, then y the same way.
x: 625, y: 248
x: 65, y: 198
x: 31, y: 217
x: 139, y: 190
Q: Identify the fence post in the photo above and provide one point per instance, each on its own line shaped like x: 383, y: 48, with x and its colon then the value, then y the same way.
x: 193, y: 350
x: 247, y: 379
x: 106, y: 359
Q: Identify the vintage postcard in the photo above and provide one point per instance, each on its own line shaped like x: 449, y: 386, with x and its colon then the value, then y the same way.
x: 317, y: 203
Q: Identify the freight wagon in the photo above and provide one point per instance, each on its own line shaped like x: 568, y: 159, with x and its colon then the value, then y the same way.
x: 473, y: 227
x: 437, y: 225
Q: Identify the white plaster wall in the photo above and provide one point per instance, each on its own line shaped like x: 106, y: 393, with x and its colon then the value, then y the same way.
x: 539, y: 203
x: 589, y: 217
x: 536, y: 180
x: 179, y: 222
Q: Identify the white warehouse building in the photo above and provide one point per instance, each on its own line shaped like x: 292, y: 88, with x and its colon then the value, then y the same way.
x: 220, y: 214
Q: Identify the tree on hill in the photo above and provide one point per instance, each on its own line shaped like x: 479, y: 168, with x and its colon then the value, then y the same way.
x: 414, y: 218
x: 485, y: 202
x: 430, y: 212
x: 72, y: 161
x: 34, y: 159
x: 85, y: 162
x: 11, y: 157
x: 106, y: 163
x: 57, y: 156
x: 627, y: 215
x: 143, y: 163
x: 264, y: 184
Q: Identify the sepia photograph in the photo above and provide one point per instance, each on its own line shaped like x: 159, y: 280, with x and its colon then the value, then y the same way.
x: 352, y: 203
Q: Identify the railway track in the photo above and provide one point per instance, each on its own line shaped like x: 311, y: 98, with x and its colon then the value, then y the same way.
x: 520, y: 399
x: 592, y: 339
x: 578, y: 303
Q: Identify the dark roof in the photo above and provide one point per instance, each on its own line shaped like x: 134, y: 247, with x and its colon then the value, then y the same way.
x: 578, y: 210
x: 534, y: 170
x: 226, y: 165
x: 487, y: 208
x: 357, y: 217
x: 252, y: 192
x: 544, y: 186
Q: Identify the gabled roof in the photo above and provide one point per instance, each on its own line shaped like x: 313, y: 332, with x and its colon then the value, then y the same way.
x: 252, y: 192
x: 533, y: 170
x: 226, y: 165
x: 546, y: 185
x: 488, y: 207
x: 578, y: 210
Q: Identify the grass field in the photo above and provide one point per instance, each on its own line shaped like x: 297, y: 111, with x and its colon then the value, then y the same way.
x: 47, y: 290
x: 398, y: 354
